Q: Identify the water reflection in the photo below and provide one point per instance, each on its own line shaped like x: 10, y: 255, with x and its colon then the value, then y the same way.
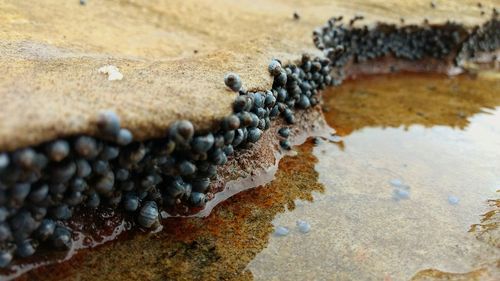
x: 404, y: 100
x: 433, y: 137
x: 218, y: 247
x: 399, y: 198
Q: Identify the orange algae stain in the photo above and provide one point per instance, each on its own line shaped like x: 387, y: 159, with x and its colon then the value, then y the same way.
x: 487, y: 230
x: 213, y: 248
x: 399, y: 128
x: 222, y: 245
x: 483, y: 273
x: 385, y: 101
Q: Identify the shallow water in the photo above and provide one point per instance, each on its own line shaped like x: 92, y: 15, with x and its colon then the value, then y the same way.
x: 402, y: 193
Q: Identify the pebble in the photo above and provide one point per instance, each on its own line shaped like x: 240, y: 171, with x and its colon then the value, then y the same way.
x: 228, y: 150
x: 121, y: 175
x: 131, y: 203
x: 202, y: 144
x: 281, y: 231
x: 198, y: 199
x: 401, y: 194
x: 285, y: 144
x: 151, y: 170
x: 5, y: 232
x: 83, y: 168
x: 25, y: 249
x: 39, y: 193
x: 25, y: 158
x: 396, y: 182
x: 124, y: 137
x: 61, y: 238
x: 186, y: 168
x: 304, y: 102
x: 303, y: 226
x: 46, y: 229
x: 108, y: 123
x: 4, y: 161
x: 254, y: 134
x: 3, y: 214
x: 453, y: 200
x: 93, y: 200
x: 200, y: 184
x: 112, y: 71
x: 274, y: 68
x: 232, y: 122
x: 57, y: 150
x: 335, y: 138
x: 181, y: 132
x: 148, y: 215
x: 5, y: 258
x: 86, y: 146
x: 233, y: 81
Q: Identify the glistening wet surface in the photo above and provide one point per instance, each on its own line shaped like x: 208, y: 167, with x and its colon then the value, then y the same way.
x: 408, y: 191
x: 418, y: 160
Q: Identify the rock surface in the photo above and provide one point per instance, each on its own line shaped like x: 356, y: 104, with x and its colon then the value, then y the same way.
x: 173, y: 56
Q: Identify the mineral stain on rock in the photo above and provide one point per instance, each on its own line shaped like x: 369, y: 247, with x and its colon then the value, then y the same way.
x: 400, y: 132
x: 346, y: 194
x: 213, y: 248
x: 149, y: 214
